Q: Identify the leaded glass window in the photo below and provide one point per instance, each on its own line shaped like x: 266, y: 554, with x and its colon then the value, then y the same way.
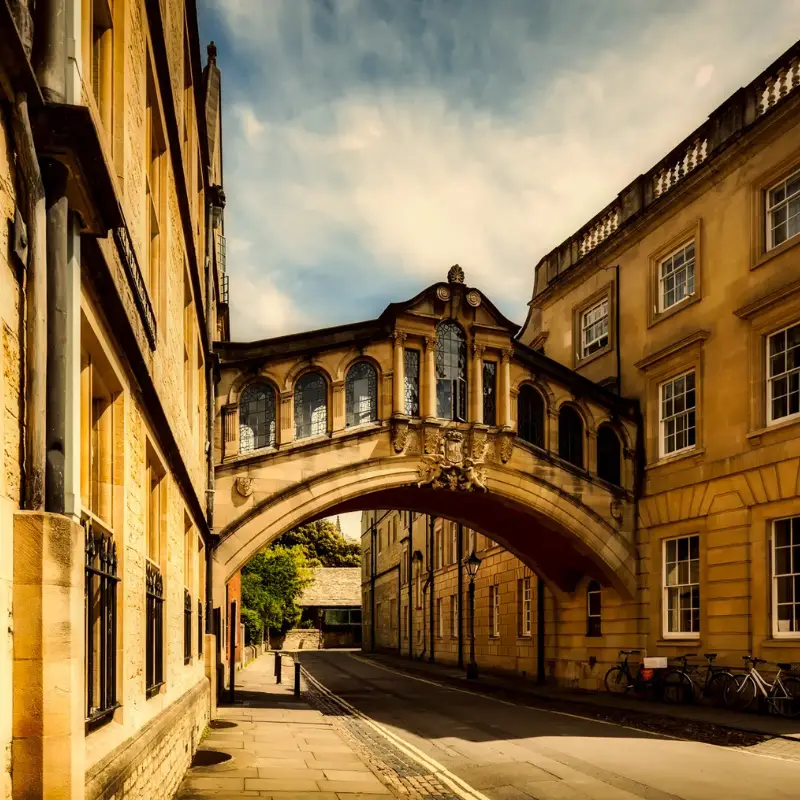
x: 361, y: 394
x: 609, y: 455
x: 310, y: 406
x: 412, y: 382
x: 570, y: 436
x: 451, y: 372
x: 256, y: 418
x: 530, y: 416
x: 490, y: 393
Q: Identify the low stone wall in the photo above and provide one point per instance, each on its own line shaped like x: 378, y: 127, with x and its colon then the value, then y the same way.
x: 301, y: 639
x: 151, y: 765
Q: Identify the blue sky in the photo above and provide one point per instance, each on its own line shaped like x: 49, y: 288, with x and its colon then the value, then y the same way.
x: 370, y: 144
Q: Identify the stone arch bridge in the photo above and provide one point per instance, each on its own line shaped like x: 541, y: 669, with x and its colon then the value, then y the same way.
x: 433, y: 407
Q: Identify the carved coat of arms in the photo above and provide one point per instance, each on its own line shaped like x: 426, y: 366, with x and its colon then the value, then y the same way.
x: 244, y: 486
x: 449, y: 468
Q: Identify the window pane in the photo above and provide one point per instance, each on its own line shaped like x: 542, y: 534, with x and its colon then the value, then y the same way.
x: 361, y: 394
x: 412, y: 382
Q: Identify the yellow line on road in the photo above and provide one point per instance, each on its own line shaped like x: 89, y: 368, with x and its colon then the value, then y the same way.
x: 456, y: 784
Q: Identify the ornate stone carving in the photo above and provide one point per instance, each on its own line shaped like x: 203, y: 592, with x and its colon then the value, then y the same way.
x: 399, y: 436
x: 455, y: 274
x: 474, y: 298
x: 616, y: 509
x: 480, y: 444
x: 506, y: 448
x: 443, y: 293
x: 448, y: 468
x: 399, y: 337
x: 244, y: 485
x: 431, y: 441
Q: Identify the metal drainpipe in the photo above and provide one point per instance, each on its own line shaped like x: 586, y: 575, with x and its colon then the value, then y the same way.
x: 35, y: 306
x: 410, y: 581
x: 372, y: 559
x: 431, y: 522
x: 460, y: 590
x: 50, y: 49
x: 55, y: 180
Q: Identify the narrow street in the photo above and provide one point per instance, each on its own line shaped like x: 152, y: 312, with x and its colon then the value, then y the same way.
x: 481, y: 747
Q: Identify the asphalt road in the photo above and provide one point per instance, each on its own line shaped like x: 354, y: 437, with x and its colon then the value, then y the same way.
x: 502, y: 751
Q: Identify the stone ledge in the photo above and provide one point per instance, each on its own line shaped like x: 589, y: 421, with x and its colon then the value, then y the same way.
x: 107, y: 777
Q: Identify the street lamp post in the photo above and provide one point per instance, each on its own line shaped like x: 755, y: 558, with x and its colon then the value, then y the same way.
x: 471, y: 564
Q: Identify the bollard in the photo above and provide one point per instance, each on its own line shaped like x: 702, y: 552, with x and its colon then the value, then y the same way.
x: 276, y: 662
x: 278, y: 668
x: 297, y: 678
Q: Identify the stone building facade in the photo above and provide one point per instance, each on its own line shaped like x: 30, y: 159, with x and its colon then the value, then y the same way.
x: 683, y: 294
x: 111, y: 289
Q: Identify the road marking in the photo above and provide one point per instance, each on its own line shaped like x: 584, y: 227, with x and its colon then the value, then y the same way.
x: 472, y: 693
x: 456, y: 784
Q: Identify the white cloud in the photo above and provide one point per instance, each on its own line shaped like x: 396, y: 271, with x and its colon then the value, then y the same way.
x: 346, y: 190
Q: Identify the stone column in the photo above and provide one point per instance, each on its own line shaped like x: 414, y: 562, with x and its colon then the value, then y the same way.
x: 429, y: 378
x: 590, y: 458
x: 285, y: 419
x: 48, y: 674
x: 504, y: 392
x: 399, y: 375
x: 476, y: 406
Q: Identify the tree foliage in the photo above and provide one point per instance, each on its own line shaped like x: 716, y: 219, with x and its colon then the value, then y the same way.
x: 323, y: 544
x: 272, y: 582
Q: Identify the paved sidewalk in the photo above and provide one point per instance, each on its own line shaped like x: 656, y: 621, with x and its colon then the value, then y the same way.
x: 700, y: 715
x: 280, y: 747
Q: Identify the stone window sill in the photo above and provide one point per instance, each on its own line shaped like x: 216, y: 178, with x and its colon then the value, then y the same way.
x: 768, y: 255
x: 674, y: 309
x: 695, y: 452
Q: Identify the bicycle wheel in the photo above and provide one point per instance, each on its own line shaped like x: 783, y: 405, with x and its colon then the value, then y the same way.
x: 677, y: 687
x: 786, y: 699
x: 714, y: 690
x: 740, y: 692
x: 617, y: 681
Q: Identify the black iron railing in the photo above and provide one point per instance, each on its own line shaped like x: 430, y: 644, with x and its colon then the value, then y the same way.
x: 199, y: 628
x: 187, y: 626
x: 100, y: 602
x: 154, y: 671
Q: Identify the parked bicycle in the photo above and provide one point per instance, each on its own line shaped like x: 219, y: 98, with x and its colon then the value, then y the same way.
x: 685, y: 683
x: 781, y: 696
x: 620, y: 679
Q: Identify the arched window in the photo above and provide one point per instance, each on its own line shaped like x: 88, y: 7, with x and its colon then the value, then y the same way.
x: 451, y: 372
x: 593, y: 609
x: 361, y: 394
x: 570, y: 436
x: 310, y: 406
x: 530, y: 416
x: 256, y: 417
x: 609, y: 455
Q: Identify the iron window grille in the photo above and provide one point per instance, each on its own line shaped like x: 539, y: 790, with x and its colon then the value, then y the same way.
x: 609, y: 455
x: 257, y: 419
x: 100, y: 610
x: 310, y: 406
x: 594, y: 328
x: 154, y: 634
x: 361, y: 394
x: 593, y: 609
x: 682, y: 586
x: 678, y: 417
x: 451, y: 370
x: 783, y: 384
x: 530, y: 416
x: 786, y: 577
x: 187, y: 626
x: 783, y: 211
x: 411, y: 357
x: 490, y: 393
x: 676, y: 277
x: 570, y: 436
x: 199, y: 628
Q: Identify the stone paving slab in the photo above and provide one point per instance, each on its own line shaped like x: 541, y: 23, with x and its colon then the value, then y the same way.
x: 284, y: 749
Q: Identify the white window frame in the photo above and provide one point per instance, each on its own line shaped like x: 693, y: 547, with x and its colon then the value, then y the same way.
x: 794, y: 571
x: 662, y: 421
x: 586, y: 326
x: 772, y: 378
x: 772, y: 209
x: 684, y: 267
x: 494, y: 610
x: 526, y: 606
x: 666, y: 587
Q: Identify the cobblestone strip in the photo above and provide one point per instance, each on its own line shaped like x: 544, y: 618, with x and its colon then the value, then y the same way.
x: 404, y: 776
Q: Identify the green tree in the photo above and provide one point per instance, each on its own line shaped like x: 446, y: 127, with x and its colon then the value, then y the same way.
x: 323, y: 544
x: 272, y: 582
